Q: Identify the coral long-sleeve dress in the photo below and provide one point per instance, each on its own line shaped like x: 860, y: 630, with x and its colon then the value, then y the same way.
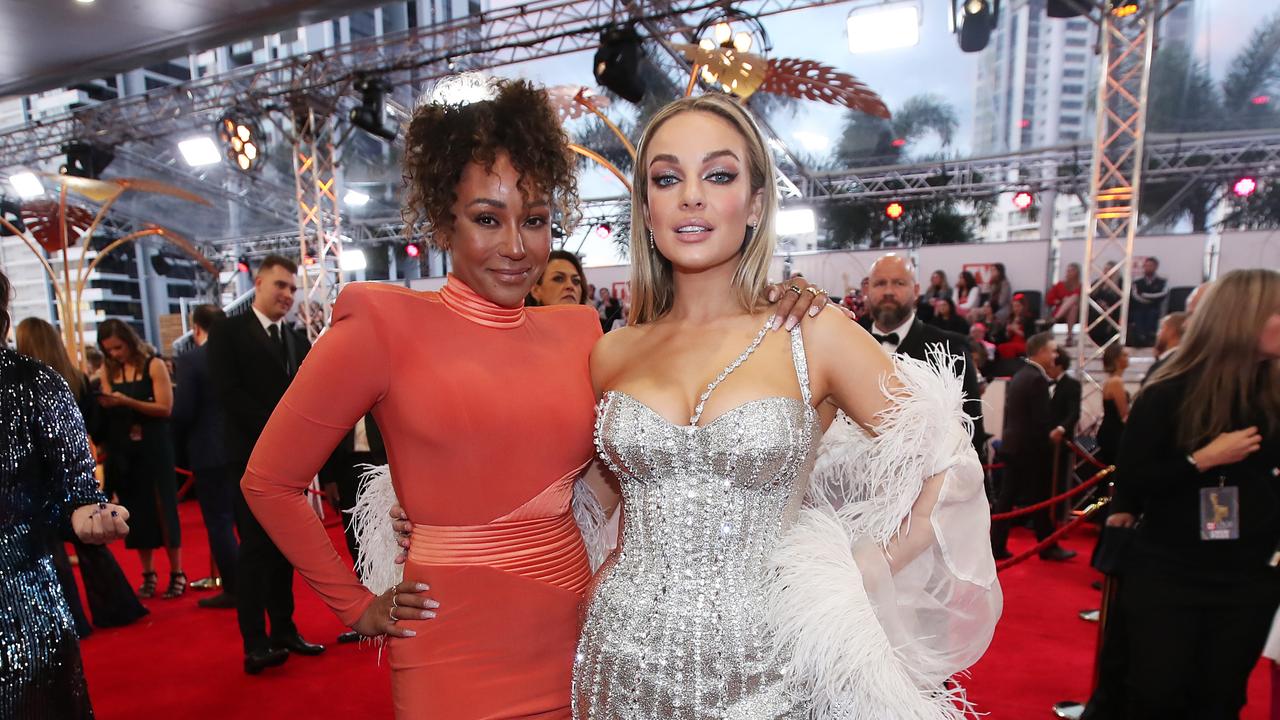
x: 487, y: 414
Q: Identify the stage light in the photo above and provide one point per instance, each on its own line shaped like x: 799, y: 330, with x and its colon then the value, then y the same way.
x: 355, y: 198
x: 1260, y: 99
x: 604, y: 231
x: 1124, y: 8
x: 242, y: 264
x: 371, y: 116
x: 883, y: 27
x: 85, y: 160
x: 617, y: 62
x: 1244, y: 187
x: 742, y: 42
x: 796, y: 221
x: 973, y: 22
x: 199, y: 151
x: 1023, y: 200
x: 241, y: 142
x: 352, y: 260
x: 893, y: 211
x: 27, y: 185
x: 412, y: 250
x: 899, y: 142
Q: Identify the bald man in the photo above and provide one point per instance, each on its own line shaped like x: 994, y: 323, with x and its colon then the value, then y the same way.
x: 891, y: 319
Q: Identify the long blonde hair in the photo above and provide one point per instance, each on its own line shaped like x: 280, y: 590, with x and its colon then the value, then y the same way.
x: 652, y: 289
x: 38, y: 339
x: 1218, y: 357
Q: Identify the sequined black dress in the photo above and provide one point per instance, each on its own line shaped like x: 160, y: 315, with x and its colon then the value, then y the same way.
x: 45, y: 472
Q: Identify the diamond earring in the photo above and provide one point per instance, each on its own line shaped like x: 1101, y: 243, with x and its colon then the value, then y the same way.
x: 652, y: 244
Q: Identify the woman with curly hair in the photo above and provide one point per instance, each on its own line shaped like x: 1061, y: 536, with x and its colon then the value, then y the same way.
x: 486, y: 407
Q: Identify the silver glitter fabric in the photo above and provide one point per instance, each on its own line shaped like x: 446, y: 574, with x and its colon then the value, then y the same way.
x: 674, y: 627
x: 45, y: 472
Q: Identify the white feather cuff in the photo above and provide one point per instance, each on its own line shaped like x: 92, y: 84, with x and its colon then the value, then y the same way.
x: 371, y: 523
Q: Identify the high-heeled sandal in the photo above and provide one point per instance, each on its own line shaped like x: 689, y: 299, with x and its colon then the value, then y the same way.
x: 177, y: 586
x: 147, y: 590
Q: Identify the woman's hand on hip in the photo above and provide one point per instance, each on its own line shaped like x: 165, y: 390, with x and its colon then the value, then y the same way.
x: 405, y: 601
x: 403, y: 527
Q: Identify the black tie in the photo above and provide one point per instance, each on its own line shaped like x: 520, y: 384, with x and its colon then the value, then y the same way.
x: 891, y: 338
x: 274, y: 331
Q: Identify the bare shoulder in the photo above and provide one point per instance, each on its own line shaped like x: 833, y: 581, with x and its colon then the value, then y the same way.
x: 832, y: 338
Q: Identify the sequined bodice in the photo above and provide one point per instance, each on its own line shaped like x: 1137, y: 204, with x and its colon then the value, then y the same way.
x: 674, y: 625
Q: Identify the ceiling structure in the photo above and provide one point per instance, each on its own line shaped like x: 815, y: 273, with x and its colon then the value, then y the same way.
x: 47, y: 44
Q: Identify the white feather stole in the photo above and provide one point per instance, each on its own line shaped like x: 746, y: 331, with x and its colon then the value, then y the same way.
x: 859, y: 641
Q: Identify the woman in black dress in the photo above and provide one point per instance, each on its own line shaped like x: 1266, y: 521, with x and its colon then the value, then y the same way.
x: 1201, y: 452
x: 1115, y: 403
x: 138, y: 397
x: 46, y: 484
x: 111, y: 600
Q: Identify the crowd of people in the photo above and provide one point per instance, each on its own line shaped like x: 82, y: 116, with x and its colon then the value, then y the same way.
x: 846, y: 481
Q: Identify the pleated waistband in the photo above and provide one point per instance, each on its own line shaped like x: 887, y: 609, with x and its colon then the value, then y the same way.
x: 549, y: 550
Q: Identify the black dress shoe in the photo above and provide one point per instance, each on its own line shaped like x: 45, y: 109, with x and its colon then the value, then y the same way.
x: 348, y: 637
x: 295, y: 644
x: 259, y: 660
x: 1057, y: 553
x: 221, y: 601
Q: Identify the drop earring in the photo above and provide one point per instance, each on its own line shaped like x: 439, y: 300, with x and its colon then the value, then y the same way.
x: 652, y: 244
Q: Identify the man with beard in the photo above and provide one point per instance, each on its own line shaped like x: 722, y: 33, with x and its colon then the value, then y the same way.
x: 891, y: 300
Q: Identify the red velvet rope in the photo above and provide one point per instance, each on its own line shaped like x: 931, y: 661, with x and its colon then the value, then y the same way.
x: 1042, y: 545
x: 1058, y: 498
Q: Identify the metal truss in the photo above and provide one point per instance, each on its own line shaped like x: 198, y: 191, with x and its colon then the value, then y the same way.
x: 1115, y: 184
x: 1209, y: 156
x: 521, y: 33
x: 319, y: 219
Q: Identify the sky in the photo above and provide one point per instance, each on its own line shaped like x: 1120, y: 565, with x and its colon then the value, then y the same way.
x: 934, y: 66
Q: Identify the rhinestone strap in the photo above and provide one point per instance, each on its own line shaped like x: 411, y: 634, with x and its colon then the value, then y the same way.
x: 802, y: 365
x: 702, y: 402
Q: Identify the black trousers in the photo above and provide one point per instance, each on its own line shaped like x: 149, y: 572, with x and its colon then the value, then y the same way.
x: 1026, y: 481
x: 1108, y: 700
x: 348, y: 480
x: 1188, y: 662
x: 216, y: 491
x: 264, y: 580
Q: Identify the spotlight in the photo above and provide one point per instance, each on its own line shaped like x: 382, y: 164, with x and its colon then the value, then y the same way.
x: 242, y: 264
x: 199, y: 151
x: 973, y: 21
x: 352, y: 260
x: 412, y: 250
x: 1023, y: 200
x: 242, y: 142
x: 604, y: 231
x: 617, y: 62
x: 85, y: 160
x: 27, y: 185
x: 355, y: 198
x: 371, y: 115
x: 1124, y: 8
x: 1244, y: 187
x: 1260, y: 99
x: 893, y: 211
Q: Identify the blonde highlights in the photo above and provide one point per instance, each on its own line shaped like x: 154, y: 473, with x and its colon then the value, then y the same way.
x: 1228, y: 387
x: 38, y: 339
x: 652, y: 288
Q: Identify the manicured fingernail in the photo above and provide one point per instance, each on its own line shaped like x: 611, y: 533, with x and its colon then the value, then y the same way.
x: 427, y: 614
x: 773, y: 295
x: 813, y: 311
x: 777, y: 322
x: 433, y: 604
x: 410, y: 633
x: 791, y: 322
x: 404, y: 543
x: 421, y: 586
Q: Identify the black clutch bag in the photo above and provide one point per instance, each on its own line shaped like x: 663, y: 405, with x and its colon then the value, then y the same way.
x: 1111, y: 554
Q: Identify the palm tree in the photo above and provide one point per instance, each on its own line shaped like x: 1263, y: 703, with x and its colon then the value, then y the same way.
x: 868, y: 140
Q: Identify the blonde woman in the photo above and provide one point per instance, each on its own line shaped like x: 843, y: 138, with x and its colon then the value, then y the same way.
x: 747, y: 586
x: 1200, y: 456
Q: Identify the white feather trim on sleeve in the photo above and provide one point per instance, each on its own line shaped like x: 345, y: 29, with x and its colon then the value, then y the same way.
x: 599, y: 533
x: 371, y: 522
x: 857, y: 639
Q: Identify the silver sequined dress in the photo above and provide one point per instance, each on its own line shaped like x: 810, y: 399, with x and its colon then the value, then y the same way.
x: 674, y: 627
x: 45, y: 472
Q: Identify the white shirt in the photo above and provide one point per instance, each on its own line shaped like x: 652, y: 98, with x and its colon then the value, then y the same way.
x: 268, y: 322
x: 901, y: 330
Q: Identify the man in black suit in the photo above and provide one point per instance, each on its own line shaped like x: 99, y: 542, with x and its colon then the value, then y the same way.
x: 340, y: 476
x: 1066, y: 393
x: 1167, y: 340
x: 891, y: 319
x: 1030, y: 431
x: 197, y: 418
x: 253, y: 358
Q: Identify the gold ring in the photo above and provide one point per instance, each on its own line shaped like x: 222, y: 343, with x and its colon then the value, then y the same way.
x: 795, y: 289
x: 815, y: 291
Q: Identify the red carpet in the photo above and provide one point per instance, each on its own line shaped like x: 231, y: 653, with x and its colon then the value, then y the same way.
x: 184, y: 662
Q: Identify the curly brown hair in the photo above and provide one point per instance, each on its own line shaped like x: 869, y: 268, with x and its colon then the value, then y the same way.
x: 442, y: 139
